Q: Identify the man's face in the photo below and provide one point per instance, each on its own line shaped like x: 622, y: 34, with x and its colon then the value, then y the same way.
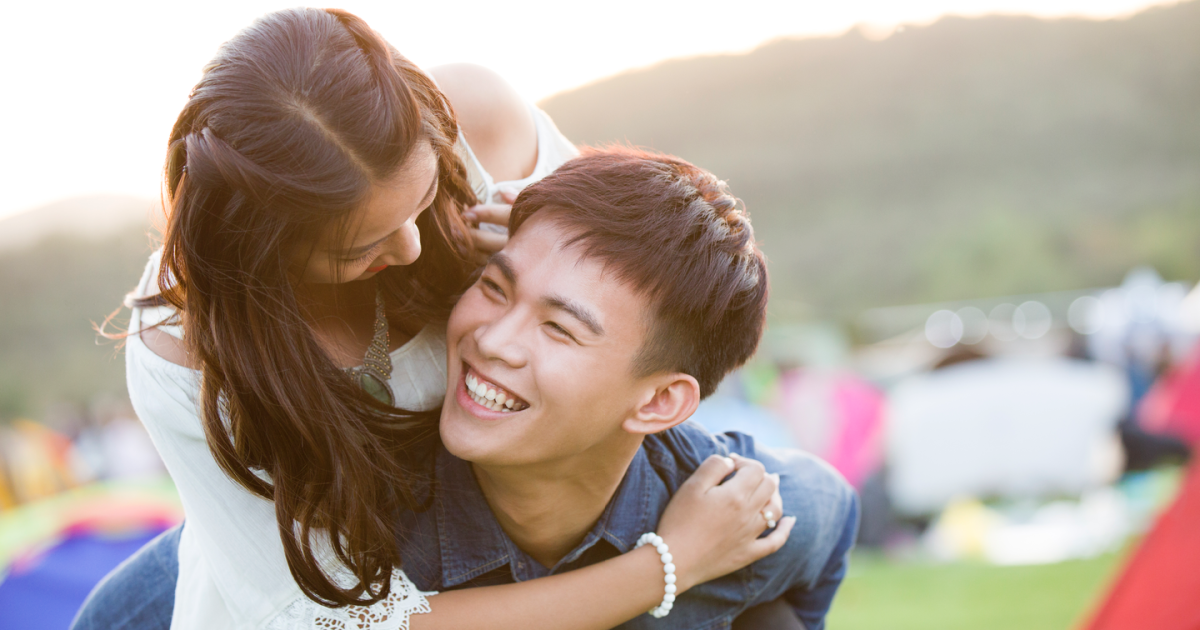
x: 555, y: 338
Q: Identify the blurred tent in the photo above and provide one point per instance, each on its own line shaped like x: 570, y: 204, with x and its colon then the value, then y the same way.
x: 54, y: 550
x: 1172, y: 406
x: 1158, y: 586
x: 35, y: 462
x: 836, y: 415
x: 1012, y: 428
x: 59, y: 534
x: 47, y: 596
x: 833, y: 414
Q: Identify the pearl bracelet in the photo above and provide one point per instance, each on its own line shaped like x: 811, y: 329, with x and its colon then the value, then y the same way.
x: 656, y: 541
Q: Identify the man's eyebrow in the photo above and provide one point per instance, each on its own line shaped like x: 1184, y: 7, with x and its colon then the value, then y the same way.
x: 356, y: 251
x: 502, y: 263
x: 576, y: 310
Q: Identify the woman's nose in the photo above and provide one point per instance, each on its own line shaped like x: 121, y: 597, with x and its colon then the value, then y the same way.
x: 404, y: 247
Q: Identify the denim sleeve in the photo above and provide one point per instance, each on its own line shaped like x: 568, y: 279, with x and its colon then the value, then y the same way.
x: 812, y: 603
x: 140, y: 593
x: 809, y: 569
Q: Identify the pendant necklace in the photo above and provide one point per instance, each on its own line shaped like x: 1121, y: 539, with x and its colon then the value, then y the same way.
x: 376, y: 371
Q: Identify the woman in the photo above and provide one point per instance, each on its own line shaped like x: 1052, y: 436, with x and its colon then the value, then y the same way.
x: 287, y: 360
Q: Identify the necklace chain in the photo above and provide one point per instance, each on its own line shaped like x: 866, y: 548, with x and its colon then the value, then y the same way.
x: 377, y: 364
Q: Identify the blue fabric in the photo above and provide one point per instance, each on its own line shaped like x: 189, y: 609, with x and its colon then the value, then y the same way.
x: 47, y: 594
x: 458, y: 543
x: 137, y: 595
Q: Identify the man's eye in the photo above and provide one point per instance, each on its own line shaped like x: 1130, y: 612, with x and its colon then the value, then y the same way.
x: 491, y: 286
x: 560, y: 330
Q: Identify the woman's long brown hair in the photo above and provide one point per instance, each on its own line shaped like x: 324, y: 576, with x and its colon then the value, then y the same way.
x: 281, y: 139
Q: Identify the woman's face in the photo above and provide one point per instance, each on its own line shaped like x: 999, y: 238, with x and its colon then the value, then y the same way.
x: 381, y: 233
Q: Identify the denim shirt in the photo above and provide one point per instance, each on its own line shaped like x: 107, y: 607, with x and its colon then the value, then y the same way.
x: 457, y: 542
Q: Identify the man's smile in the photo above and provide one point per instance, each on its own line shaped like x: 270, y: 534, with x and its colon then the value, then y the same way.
x: 486, y: 394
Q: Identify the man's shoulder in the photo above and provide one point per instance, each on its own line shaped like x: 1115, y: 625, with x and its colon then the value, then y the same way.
x: 687, y: 445
x: 824, y: 504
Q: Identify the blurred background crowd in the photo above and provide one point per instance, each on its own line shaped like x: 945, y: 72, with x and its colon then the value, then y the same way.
x: 984, y: 240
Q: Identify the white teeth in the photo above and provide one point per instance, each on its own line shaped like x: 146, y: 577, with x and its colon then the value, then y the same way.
x: 491, y: 398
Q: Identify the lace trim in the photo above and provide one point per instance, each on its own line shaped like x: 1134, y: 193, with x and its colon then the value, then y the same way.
x: 388, y: 614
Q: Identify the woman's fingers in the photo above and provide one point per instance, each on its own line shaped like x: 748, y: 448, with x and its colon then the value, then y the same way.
x: 710, y: 473
x: 497, y: 213
x: 774, y: 541
x: 715, y: 520
x: 774, y: 508
x: 749, y: 475
x: 488, y: 243
x: 764, y: 495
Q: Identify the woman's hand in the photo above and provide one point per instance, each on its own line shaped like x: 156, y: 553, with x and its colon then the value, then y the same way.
x: 488, y: 242
x: 713, y: 528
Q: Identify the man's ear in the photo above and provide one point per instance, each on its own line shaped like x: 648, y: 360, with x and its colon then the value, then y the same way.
x: 674, y: 399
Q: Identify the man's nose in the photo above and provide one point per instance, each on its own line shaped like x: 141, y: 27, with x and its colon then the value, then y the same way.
x: 502, y: 339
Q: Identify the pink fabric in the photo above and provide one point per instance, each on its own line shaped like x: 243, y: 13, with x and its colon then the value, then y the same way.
x: 858, y: 448
x: 1172, y: 405
x: 836, y: 416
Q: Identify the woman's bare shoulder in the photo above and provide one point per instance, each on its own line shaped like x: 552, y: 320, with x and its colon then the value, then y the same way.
x: 168, y: 347
x: 493, y: 116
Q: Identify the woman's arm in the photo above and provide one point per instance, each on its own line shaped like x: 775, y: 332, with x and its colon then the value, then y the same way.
x: 493, y: 117
x: 712, y: 528
x: 499, y: 127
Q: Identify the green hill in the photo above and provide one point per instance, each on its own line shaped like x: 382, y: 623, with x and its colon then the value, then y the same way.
x: 53, y: 291
x: 972, y: 157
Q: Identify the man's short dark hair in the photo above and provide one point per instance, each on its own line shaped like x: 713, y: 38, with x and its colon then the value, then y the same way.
x: 672, y: 231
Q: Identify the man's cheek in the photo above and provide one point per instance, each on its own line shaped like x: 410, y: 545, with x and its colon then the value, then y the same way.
x: 462, y: 315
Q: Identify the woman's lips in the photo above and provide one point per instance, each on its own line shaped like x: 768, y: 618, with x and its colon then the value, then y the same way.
x: 376, y: 269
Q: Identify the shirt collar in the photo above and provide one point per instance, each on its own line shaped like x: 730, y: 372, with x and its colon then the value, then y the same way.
x: 472, y: 542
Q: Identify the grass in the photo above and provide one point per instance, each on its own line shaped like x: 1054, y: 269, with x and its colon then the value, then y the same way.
x: 898, y: 596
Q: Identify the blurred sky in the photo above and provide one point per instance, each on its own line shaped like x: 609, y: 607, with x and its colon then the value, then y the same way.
x: 93, y: 88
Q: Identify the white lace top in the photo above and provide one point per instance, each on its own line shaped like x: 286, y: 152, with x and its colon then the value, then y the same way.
x: 232, y: 569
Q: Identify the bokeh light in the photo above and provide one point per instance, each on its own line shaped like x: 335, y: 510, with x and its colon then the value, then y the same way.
x: 1086, y: 315
x: 944, y: 328
x: 1032, y: 320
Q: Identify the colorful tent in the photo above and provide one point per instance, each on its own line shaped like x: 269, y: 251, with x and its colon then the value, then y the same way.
x: 54, y: 550
x: 1172, y: 405
x: 45, y: 593
x: 1159, y: 585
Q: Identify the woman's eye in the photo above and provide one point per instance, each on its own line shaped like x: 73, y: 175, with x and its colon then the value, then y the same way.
x: 370, y: 253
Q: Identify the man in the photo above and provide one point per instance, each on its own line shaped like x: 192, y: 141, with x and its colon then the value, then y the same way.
x: 630, y: 287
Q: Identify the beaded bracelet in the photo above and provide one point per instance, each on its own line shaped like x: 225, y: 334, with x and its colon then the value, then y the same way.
x: 656, y: 541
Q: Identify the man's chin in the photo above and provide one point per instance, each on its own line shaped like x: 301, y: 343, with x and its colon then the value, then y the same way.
x: 461, y: 436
